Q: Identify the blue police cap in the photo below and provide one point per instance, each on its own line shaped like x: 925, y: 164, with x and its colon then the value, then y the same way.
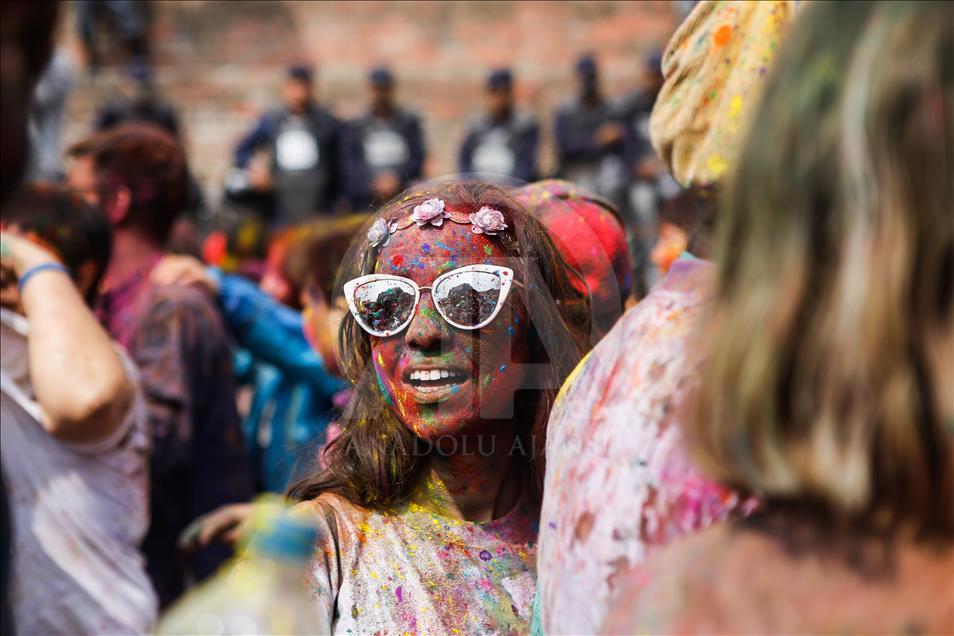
x: 500, y: 79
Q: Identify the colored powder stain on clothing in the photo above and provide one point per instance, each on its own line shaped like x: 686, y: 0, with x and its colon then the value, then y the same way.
x: 485, y: 556
x: 510, y: 330
x: 399, y: 593
x: 722, y: 35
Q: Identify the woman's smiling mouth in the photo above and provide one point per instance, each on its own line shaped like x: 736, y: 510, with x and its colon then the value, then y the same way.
x: 433, y: 384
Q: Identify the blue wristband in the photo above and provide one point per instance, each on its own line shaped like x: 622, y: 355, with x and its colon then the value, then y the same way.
x: 33, y: 271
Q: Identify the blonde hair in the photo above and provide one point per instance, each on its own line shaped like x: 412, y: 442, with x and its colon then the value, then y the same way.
x: 836, y: 250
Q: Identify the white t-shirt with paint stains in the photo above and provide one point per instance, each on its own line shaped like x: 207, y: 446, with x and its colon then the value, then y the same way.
x: 79, y: 512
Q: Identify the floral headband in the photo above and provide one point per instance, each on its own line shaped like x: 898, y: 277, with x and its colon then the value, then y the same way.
x: 486, y: 220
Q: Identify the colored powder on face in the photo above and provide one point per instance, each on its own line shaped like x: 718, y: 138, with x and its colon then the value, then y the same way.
x: 397, y: 260
x: 469, y: 349
x: 503, y: 368
x: 510, y: 330
x: 486, y: 380
x: 447, y: 266
x: 430, y: 314
x: 455, y: 388
x: 425, y: 248
x: 444, y: 246
x: 485, y: 556
x: 399, y: 592
x: 488, y: 250
x: 384, y: 392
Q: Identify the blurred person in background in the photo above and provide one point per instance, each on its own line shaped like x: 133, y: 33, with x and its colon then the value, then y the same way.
x: 651, y: 185
x: 503, y: 140
x: 138, y: 175
x: 595, y: 146
x: 689, y: 217
x: 46, y: 117
x: 26, y: 45
x: 287, y: 342
x: 382, y: 151
x: 830, y: 377
x: 137, y: 99
x: 292, y: 387
x: 292, y: 154
x: 128, y: 19
x: 75, y: 439
x: 619, y: 482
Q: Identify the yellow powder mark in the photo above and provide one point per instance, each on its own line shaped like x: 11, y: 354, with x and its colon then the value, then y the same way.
x: 380, y: 359
x: 735, y: 107
x: 374, y: 575
x: 717, y: 165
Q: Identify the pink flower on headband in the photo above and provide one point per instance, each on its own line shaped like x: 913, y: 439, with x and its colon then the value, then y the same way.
x: 487, y: 221
x: 431, y: 211
x: 380, y: 233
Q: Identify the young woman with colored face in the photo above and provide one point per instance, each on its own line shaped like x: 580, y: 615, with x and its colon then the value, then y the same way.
x: 461, y: 330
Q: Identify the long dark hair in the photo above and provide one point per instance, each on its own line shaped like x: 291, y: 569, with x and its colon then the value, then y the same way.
x: 376, y: 461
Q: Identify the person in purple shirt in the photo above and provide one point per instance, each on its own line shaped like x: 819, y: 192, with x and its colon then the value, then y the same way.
x: 137, y: 174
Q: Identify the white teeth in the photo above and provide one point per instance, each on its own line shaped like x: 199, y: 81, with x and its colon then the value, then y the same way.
x: 430, y: 375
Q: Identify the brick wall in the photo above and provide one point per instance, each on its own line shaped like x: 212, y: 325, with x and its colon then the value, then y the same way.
x: 221, y: 62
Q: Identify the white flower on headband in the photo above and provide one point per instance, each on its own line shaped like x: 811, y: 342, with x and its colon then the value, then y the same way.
x: 379, y: 234
x: 431, y: 211
x: 487, y: 221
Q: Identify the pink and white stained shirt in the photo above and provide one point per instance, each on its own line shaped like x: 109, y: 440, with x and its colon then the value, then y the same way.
x: 618, y: 482
x: 411, y: 571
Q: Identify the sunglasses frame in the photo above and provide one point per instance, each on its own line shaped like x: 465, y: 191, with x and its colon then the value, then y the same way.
x: 504, y: 273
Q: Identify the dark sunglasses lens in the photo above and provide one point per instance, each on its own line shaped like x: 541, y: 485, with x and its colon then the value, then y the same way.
x: 384, y: 305
x: 468, y: 298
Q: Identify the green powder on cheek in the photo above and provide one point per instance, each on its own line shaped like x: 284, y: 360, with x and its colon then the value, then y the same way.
x: 488, y: 250
x: 384, y: 391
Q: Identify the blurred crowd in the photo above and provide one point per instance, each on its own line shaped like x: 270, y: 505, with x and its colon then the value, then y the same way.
x: 706, y: 367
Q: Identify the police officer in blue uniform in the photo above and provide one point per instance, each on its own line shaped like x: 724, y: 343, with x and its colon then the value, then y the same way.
x: 595, y: 146
x: 502, y: 141
x: 382, y: 153
x: 301, y: 141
